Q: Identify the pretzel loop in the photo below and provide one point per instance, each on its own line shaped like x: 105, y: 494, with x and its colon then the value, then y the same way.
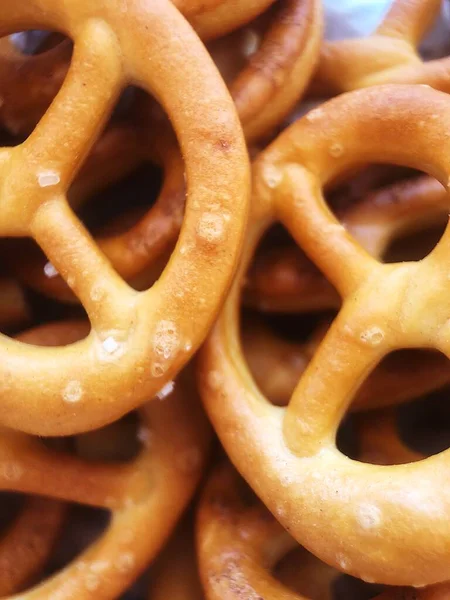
x: 139, y: 341
x: 367, y: 514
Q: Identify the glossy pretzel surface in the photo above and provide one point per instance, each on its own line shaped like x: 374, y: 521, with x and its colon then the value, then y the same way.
x: 138, y: 341
x: 370, y: 516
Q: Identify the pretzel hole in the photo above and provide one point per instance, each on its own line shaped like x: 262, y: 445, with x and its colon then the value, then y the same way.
x: 396, y: 214
x: 61, y: 327
x: 117, y: 207
x: 436, y: 44
x: 349, y: 189
x: 347, y: 438
x: 282, y: 279
x: 413, y: 246
x: 277, y: 348
x: 46, y: 310
x: 119, y: 442
x: 35, y: 42
x: 15, y: 311
x: 345, y: 586
x: 424, y: 425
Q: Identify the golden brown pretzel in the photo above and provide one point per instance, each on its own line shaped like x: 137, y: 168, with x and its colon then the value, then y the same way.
x: 178, y: 557
x: 239, y: 535
x: 264, y: 91
x: 283, y: 279
x: 146, y: 496
x: 277, y: 365
x: 218, y: 17
x: 277, y: 66
x: 138, y: 341
x: 389, y: 55
x: 370, y: 516
x: 27, y: 544
x: 238, y: 545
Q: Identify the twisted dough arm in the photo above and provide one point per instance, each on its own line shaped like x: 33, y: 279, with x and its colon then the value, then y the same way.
x: 277, y: 365
x: 284, y: 279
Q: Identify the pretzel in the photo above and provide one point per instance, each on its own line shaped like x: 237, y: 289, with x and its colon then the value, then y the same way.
x: 138, y: 341
x: 389, y: 55
x: 239, y: 544
x: 178, y: 557
x: 277, y: 72
x: 277, y: 365
x: 27, y: 544
x: 264, y: 91
x: 283, y: 279
x: 214, y: 18
x: 234, y: 531
x: 146, y: 496
x: 288, y: 455
x: 234, y: 539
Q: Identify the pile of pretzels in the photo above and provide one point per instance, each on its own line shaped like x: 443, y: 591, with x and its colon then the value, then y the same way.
x: 225, y: 327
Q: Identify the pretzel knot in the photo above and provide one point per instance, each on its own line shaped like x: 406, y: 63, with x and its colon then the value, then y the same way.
x: 138, y: 341
x: 363, y: 519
